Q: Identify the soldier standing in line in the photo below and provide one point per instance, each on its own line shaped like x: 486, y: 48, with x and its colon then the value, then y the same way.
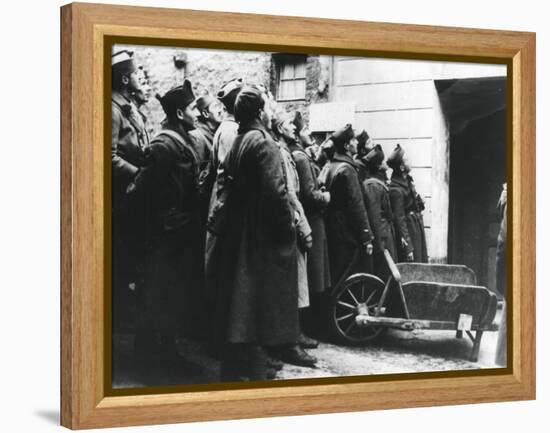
x: 227, y: 131
x: 315, y: 202
x: 377, y: 201
x: 255, y: 278
x: 207, y: 124
x: 128, y: 152
x: 348, y: 229
x: 169, y: 186
x: 502, y: 206
x: 208, y: 121
x: 142, y: 95
x: 222, y: 142
x: 283, y: 130
x: 407, y: 210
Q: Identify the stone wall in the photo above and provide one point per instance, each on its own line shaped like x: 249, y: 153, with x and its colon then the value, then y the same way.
x: 317, y: 84
x: 208, y: 69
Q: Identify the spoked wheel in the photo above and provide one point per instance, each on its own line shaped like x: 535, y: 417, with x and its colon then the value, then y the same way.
x: 358, y: 295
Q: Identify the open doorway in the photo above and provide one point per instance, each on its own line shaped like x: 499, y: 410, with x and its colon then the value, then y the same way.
x: 475, y: 110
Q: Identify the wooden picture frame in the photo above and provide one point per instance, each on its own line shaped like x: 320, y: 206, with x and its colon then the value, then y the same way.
x: 84, y: 258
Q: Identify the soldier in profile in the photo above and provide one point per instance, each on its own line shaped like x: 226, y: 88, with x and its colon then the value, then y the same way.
x: 128, y: 149
x: 348, y: 229
x: 169, y: 187
x: 208, y: 120
x: 376, y: 193
x: 407, y: 210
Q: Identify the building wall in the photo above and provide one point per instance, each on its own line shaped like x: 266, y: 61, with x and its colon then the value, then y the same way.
x: 318, y: 70
x: 396, y: 102
x: 206, y: 69
x: 209, y: 69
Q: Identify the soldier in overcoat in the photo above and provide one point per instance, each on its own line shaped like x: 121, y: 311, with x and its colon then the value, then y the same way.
x: 315, y: 202
x: 208, y: 122
x: 376, y: 193
x: 283, y: 130
x: 227, y: 131
x: 347, y: 224
x: 128, y: 153
x: 407, y: 210
x: 501, y: 242
x: 256, y: 273
x: 222, y: 142
x: 501, y: 352
x: 169, y: 187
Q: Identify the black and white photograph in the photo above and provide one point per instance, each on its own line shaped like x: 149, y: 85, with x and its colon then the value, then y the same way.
x: 280, y: 216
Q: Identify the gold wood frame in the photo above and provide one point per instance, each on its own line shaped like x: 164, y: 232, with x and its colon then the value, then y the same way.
x: 85, y: 402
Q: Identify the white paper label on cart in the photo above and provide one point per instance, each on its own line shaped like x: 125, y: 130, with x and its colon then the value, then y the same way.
x: 464, y: 322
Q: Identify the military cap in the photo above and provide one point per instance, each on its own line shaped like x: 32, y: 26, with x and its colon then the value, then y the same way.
x: 364, y: 144
x: 279, y: 118
x: 328, y: 148
x: 342, y: 136
x: 298, y: 121
x: 204, y: 102
x: 396, y: 157
x: 123, y: 62
x: 375, y: 157
x: 229, y: 90
x: 177, y: 98
x: 248, y: 102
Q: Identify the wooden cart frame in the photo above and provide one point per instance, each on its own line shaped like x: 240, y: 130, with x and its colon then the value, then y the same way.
x: 441, y: 297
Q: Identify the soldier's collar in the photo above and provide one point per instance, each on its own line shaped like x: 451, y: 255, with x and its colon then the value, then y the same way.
x: 120, y: 99
x: 124, y: 103
x: 253, y: 124
x: 400, y: 181
x: 340, y: 157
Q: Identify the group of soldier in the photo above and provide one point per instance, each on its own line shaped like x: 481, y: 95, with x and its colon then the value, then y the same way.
x: 232, y: 225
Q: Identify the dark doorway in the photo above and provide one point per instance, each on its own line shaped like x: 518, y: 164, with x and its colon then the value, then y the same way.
x: 476, y: 114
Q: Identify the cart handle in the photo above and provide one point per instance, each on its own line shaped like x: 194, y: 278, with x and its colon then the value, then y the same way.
x: 393, y: 268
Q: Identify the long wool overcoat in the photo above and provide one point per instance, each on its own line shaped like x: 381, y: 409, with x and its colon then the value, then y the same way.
x: 347, y: 223
x: 377, y: 201
x: 314, y: 205
x: 128, y: 152
x: 168, y: 186
x: 255, y: 281
x: 407, y: 216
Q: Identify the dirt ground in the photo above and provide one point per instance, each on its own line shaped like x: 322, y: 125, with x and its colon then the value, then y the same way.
x: 395, y: 352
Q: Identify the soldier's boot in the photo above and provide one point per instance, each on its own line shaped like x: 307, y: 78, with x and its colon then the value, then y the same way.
x: 307, y: 343
x: 294, y: 354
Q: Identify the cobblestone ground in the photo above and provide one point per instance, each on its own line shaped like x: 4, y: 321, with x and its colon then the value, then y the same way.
x: 395, y: 352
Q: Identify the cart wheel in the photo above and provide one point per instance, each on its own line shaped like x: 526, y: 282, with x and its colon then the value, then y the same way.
x: 360, y: 293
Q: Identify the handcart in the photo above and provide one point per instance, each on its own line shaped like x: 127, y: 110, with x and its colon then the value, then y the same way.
x: 415, y: 296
